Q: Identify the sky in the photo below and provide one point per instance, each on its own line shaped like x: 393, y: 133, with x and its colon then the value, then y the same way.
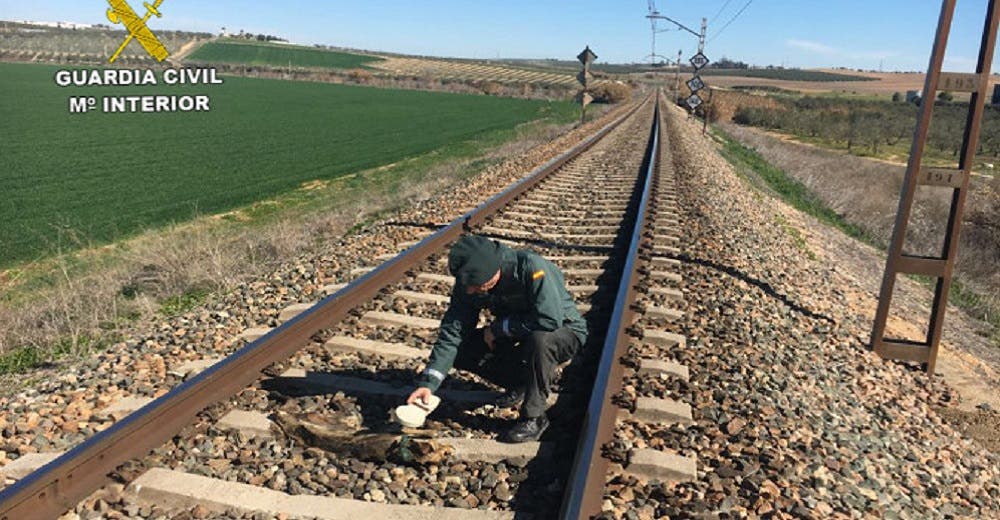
x: 891, y: 35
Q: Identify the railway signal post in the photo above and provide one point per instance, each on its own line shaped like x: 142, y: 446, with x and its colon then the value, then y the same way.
x: 585, y: 78
x: 677, y: 78
x: 954, y: 179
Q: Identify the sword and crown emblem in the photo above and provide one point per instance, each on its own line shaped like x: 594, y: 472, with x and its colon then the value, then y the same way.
x: 121, y: 12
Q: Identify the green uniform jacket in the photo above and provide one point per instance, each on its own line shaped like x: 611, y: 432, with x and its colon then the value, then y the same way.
x: 530, y: 296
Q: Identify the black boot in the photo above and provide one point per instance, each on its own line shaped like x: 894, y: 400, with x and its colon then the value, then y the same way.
x: 510, y: 399
x: 530, y: 429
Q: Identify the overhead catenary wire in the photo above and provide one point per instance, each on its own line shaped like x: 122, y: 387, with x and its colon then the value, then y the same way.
x: 723, y: 8
x: 731, y: 20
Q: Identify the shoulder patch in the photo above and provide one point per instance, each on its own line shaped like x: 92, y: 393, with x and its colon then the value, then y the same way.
x: 537, y: 274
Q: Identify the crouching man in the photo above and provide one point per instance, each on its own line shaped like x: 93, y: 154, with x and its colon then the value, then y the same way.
x: 537, y: 327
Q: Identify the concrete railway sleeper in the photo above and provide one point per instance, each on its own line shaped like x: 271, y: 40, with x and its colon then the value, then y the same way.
x: 212, y: 443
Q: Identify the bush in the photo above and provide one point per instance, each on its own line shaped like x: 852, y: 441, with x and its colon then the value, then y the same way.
x: 360, y: 76
x: 744, y: 116
x: 759, y: 116
x: 491, y: 88
x: 609, y: 92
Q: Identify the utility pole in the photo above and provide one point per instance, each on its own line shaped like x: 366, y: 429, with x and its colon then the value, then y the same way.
x: 652, y: 45
x: 653, y: 14
x: 701, y: 37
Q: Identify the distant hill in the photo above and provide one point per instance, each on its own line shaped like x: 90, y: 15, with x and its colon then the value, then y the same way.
x: 77, y: 44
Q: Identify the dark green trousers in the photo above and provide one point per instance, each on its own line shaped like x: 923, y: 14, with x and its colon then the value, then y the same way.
x: 529, y: 363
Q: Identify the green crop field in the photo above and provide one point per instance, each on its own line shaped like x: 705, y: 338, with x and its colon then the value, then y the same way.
x: 87, y: 179
x: 278, y: 55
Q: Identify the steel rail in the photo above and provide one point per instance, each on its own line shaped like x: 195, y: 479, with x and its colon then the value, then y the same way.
x: 61, y: 484
x: 584, y: 493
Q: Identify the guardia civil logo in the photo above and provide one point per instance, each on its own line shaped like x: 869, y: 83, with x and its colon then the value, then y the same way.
x: 121, y: 12
x: 140, y: 100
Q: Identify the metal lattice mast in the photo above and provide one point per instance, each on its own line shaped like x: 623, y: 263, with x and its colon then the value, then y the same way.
x: 653, y: 15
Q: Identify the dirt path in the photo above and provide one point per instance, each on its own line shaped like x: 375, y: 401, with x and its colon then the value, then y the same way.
x: 187, y: 49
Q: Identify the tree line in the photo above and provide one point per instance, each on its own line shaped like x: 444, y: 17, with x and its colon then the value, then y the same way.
x: 864, y: 126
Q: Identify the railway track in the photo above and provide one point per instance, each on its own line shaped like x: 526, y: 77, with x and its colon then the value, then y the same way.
x: 603, y: 212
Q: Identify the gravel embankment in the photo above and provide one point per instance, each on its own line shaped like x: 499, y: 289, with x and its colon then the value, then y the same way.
x: 793, y: 416
x: 865, y: 193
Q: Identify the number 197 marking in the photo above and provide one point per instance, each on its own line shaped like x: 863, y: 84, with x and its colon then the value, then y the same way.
x: 959, y: 82
x: 941, y: 177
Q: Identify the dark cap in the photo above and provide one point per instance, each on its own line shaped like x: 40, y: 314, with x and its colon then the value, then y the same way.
x: 473, y: 260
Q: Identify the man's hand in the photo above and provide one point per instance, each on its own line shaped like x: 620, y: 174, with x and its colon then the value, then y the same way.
x: 488, y: 337
x: 420, y: 394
